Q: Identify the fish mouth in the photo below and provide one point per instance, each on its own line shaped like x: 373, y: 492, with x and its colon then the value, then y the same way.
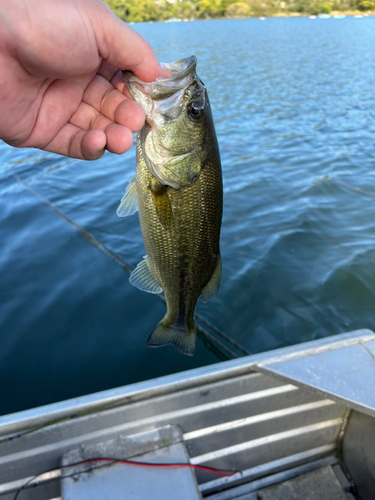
x: 183, y: 75
x: 163, y: 101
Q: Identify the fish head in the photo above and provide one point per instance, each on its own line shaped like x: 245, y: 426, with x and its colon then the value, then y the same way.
x: 178, y: 119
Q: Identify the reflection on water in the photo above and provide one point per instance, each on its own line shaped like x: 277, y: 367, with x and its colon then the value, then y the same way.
x: 294, y: 105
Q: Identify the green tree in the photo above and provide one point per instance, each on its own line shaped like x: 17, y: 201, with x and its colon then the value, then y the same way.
x: 263, y: 7
x: 185, y: 9
x: 159, y: 10
x: 326, y: 8
x: 119, y: 7
x: 366, y: 5
x: 140, y: 10
x: 210, y: 8
x: 239, y: 10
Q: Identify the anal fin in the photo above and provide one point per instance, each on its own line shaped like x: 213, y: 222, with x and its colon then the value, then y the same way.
x: 143, y: 279
x: 210, y: 290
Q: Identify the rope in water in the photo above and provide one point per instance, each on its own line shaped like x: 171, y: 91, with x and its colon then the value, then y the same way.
x: 129, y: 268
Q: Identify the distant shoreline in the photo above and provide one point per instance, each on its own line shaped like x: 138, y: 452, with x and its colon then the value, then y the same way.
x: 332, y: 14
x: 148, y: 11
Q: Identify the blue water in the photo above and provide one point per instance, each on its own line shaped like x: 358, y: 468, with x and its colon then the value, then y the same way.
x: 294, y: 107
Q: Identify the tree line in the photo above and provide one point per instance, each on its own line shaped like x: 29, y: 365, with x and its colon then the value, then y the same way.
x: 163, y: 10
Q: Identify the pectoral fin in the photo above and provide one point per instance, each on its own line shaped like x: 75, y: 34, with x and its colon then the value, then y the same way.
x: 129, y: 204
x: 142, y: 278
x: 163, y: 205
x: 212, y: 286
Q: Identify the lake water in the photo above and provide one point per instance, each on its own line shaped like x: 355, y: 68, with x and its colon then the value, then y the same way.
x: 294, y: 107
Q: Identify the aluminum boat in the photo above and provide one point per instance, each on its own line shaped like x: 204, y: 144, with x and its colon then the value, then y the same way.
x: 296, y: 423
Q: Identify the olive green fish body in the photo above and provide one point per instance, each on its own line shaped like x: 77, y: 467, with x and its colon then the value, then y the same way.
x: 182, y: 257
x: 179, y: 195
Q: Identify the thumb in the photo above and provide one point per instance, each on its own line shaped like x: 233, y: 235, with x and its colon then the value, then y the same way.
x: 120, y: 46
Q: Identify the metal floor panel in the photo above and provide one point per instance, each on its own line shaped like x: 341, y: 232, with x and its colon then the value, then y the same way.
x: 235, y: 432
x: 321, y: 484
x: 42, y: 449
x: 269, y: 469
x: 270, y: 448
x: 252, y: 489
x: 120, y: 481
x: 229, y: 416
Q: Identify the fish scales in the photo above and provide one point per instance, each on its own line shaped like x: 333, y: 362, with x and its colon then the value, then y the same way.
x: 182, y: 258
x: 179, y: 195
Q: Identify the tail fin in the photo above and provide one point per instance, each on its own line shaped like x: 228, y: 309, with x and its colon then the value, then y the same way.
x: 168, y: 334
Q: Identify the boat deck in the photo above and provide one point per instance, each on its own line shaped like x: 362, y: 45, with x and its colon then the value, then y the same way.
x: 275, y: 417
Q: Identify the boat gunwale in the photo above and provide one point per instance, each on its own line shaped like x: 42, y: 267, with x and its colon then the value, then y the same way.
x: 54, y: 412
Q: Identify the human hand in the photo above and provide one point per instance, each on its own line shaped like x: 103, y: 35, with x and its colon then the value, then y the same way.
x: 61, y: 88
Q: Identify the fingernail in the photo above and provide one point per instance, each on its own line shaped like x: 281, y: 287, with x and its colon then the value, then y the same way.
x: 167, y: 73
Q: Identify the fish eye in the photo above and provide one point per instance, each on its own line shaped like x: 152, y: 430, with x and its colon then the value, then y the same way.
x: 196, y: 109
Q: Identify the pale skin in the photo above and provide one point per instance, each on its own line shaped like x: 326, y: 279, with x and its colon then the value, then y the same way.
x: 61, y: 88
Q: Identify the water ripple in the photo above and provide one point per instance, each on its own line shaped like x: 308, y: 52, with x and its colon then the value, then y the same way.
x: 294, y: 108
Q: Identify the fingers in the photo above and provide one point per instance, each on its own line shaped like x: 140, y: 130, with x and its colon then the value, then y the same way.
x: 66, y: 125
x: 88, y: 118
x: 105, y: 109
x: 130, y: 115
x: 101, y: 96
x: 119, y: 137
x: 122, y: 47
x: 76, y: 143
x: 90, y: 145
x: 113, y: 75
x: 58, y: 103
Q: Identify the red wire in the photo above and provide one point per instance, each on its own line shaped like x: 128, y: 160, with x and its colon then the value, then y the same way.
x: 221, y: 472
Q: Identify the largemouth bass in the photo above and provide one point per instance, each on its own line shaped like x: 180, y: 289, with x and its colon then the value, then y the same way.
x: 179, y: 195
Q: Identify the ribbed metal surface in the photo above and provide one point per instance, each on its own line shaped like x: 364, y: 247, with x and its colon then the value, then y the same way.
x: 239, y: 423
x: 230, y: 417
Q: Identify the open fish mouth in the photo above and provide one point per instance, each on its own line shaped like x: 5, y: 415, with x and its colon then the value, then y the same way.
x: 164, y: 97
x: 167, y: 146
x: 183, y: 75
